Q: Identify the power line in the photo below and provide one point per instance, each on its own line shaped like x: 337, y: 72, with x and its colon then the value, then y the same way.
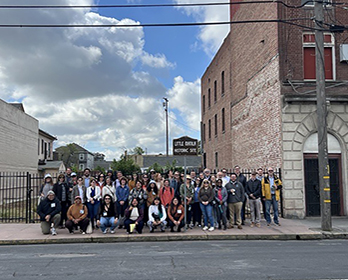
x: 287, y: 21
x: 162, y: 5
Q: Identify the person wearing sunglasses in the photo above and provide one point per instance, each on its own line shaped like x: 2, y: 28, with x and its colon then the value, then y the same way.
x: 271, y: 186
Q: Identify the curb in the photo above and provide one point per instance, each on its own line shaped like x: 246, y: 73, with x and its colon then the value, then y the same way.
x: 168, y: 238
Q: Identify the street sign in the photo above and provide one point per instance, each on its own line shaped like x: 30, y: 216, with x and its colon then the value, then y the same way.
x: 185, y: 146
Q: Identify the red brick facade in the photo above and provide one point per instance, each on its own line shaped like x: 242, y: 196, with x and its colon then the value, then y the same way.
x: 258, y: 61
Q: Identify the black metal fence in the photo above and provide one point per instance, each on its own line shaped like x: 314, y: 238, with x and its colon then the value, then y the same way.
x: 19, y: 194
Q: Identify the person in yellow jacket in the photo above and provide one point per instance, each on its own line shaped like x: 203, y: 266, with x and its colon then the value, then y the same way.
x: 271, y: 186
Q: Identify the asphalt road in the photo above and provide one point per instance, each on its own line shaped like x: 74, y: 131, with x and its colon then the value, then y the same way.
x: 270, y: 260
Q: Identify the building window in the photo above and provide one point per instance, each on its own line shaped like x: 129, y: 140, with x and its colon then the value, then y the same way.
x: 203, y: 136
x: 81, y: 156
x: 216, y: 159
x: 203, y: 105
x: 81, y: 166
x: 49, y: 150
x: 216, y: 125
x: 209, y: 129
x: 222, y: 83
x: 223, y: 119
x: 42, y: 146
x: 215, y: 91
x: 309, y: 70
x: 38, y: 147
x: 209, y: 101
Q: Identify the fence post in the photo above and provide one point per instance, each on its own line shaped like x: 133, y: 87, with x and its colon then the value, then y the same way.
x: 28, y: 202
x: 281, y: 193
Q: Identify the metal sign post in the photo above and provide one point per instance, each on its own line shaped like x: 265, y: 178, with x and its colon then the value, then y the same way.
x: 185, y: 200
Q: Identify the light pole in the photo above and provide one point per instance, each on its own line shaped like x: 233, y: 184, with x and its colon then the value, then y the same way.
x: 165, y: 106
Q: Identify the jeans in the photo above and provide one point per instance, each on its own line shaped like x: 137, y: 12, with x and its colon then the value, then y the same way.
x: 274, y: 204
x: 197, y: 213
x: 107, y: 222
x: 93, y: 210
x: 207, y: 211
x: 221, y: 215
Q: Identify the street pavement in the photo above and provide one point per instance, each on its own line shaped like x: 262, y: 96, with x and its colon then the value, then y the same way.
x: 229, y: 259
x: 290, y: 229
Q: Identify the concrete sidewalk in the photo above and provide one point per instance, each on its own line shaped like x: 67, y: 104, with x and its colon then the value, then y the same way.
x: 290, y: 229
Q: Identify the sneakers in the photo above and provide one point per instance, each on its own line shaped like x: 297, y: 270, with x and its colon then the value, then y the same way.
x: 252, y: 224
x: 151, y: 229
x: 205, y: 228
x: 83, y: 232
x: 258, y: 225
x: 278, y: 224
x: 71, y: 232
x: 53, y: 231
x: 211, y: 229
x: 240, y: 227
x: 112, y: 231
x: 104, y: 231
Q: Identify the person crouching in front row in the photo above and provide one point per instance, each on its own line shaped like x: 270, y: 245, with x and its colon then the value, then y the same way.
x: 134, y: 215
x: 77, y: 216
x: 49, y: 212
x: 176, y: 215
x: 108, y: 215
x: 157, y: 215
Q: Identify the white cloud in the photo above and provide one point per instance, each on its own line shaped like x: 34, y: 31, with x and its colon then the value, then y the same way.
x: 156, y: 61
x: 87, y: 85
x: 185, y: 97
x: 211, y: 36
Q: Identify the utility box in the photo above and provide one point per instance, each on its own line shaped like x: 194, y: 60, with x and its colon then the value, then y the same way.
x: 344, y: 52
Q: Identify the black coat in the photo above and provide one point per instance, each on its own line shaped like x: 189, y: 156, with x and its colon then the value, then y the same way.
x: 57, y: 188
x: 48, y: 207
x: 253, y: 187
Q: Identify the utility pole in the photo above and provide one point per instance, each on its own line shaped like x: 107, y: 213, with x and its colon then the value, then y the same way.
x: 324, y: 170
x: 165, y: 105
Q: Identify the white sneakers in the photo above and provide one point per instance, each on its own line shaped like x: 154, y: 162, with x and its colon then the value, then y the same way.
x: 208, y: 228
x: 53, y: 231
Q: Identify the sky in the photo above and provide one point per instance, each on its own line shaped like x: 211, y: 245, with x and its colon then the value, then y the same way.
x: 103, y: 88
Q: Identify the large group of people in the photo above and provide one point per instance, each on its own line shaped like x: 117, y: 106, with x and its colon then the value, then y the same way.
x: 106, y: 202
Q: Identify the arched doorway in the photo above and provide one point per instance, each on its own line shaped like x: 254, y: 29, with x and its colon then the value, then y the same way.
x: 310, y: 152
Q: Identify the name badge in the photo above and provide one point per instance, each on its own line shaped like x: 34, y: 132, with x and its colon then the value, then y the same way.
x: 53, y: 205
x: 179, y: 211
x: 82, y: 211
x: 105, y: 214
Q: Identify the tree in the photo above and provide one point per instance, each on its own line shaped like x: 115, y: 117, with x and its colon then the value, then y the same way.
x: 99, y: 157
x: 158, y: 168
x: 126, y: 165
x: 137, y: 151
x: 68, y: 154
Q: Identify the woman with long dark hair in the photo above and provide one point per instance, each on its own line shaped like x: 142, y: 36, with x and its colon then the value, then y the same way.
x: 176, y: 214
x: 157, y: 215
x: 107, y: 216
x: 134, y: 215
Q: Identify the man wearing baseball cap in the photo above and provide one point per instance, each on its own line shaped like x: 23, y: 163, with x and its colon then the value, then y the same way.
x: 49, y: 212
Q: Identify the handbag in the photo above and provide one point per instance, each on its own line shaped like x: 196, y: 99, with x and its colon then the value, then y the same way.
x: 89, y: 229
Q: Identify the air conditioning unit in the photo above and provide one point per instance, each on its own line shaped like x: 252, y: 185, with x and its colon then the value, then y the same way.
x: 343, y: 52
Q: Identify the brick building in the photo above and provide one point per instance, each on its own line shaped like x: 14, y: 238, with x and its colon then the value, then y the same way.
x: 259, y: 101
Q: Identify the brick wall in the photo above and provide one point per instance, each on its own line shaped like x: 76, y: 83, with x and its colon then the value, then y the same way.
x: 18, y: 140
x: 221, y: 143
x: 291, y: 47
x: 256, y: 121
